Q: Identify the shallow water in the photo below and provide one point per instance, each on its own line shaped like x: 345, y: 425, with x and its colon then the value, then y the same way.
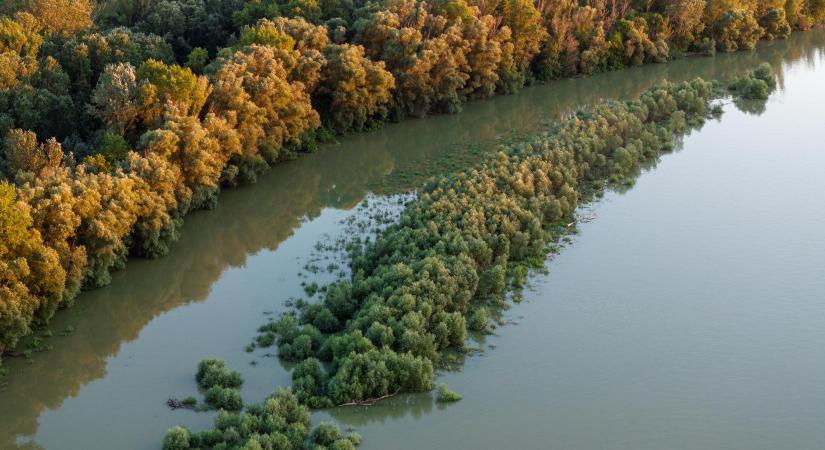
x: 687, y: 315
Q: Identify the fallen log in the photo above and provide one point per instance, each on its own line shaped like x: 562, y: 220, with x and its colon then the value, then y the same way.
x: 174, y: 403
x: 369, y: 401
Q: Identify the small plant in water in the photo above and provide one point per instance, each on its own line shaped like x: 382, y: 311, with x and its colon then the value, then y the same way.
x: 311, y: 288
x: 445, y: 395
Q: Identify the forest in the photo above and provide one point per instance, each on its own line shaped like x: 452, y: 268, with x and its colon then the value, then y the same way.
x: 119, y: 117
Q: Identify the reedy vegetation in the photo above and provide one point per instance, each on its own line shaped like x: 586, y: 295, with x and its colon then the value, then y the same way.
x: 458, y: 247
x: 119, y: 117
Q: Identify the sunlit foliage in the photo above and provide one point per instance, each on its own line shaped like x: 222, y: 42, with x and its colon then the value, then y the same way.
x: 253, y: 93
x: 31, y: 280
x: 64, y: 17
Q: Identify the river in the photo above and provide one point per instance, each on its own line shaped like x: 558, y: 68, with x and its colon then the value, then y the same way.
x: 688, y: 314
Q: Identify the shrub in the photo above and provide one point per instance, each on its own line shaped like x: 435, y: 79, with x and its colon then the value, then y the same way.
x: 213, y: 372
x: 755, y: 85
x: 479, y: 319
x: 224, y: 398
x: 176, y: 438
x: 445, y: 395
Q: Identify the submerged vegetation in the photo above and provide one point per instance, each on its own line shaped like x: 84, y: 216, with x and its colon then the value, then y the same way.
x: 118, y: 118
x: 464, y: 244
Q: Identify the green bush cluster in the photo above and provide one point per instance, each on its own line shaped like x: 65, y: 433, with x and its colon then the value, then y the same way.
x: 756, y: 85
x: 445, y: 395
x: 279, y: 423
x: 220, y: 386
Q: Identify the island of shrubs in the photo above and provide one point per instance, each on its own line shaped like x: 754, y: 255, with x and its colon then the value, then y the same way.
x: 465, y: 241
x: 458, y: 246
x: 117, y: 118
x: 280, y: 422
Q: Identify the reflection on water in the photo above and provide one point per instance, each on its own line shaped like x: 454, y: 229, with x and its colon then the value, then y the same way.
x: 137, y: 341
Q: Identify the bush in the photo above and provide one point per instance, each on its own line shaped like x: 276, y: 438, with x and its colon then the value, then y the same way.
x: 309, y: 383
x: 266, y: 339
x: 280, y: 422
x: 752, y: 89
x: 479, y: 319
x: 325, y: 434
x: 213, y: 372
x: 224, y: 398
x: 325, y: 321
x: 176, y: 438
x: 765, y: 73
x: 755, y: 85
x: 445, y: 395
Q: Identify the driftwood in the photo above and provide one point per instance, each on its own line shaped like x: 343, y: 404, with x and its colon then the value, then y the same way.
x: 583, y: 219
x: 369, y: 401
x: 588, y: 219
x: 174, y: 403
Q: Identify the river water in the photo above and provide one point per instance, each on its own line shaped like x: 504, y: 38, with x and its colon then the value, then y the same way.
x: 688, y: 314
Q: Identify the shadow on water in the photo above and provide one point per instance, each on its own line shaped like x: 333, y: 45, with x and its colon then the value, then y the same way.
x: 261, y: 217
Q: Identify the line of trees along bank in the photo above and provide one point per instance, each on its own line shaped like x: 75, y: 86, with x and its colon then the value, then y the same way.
x: 119, y: 117
x: 469, y: 238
